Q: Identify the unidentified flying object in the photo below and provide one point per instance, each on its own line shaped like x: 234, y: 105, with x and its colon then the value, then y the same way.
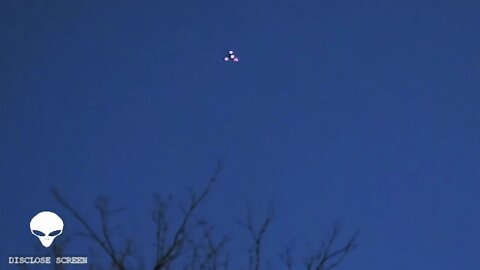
x: 231, y: 57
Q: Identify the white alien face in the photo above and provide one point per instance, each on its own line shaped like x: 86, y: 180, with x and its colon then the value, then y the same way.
x: 46, y: 226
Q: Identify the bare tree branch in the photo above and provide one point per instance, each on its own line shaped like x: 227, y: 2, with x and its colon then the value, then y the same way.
x: 105, y: 242
x: 257, y: 236
x: 194, y: 243
x: 177, y: 244
x: 328, y: 257
x: 287, y: 258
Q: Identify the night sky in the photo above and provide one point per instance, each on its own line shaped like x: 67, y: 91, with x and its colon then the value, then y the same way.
x: 363, y: 111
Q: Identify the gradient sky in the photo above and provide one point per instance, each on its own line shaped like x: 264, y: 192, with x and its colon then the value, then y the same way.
x: 364, y: 111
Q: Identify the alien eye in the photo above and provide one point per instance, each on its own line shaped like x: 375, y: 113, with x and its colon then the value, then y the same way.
x: 38, y: 233
x: 55, y: 233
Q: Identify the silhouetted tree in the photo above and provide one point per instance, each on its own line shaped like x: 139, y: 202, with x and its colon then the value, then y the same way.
x: 192, y: 243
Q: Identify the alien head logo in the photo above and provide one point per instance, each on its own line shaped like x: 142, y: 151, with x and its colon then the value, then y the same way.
x: 46, y: 226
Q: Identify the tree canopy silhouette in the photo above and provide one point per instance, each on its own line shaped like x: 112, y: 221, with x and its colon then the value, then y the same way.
x: 193, y: 244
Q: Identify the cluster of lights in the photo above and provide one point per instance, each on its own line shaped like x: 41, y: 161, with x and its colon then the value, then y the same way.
x: 231, y: 57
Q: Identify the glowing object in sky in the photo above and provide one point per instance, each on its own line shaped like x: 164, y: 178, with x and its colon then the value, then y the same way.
x: 231, y: 57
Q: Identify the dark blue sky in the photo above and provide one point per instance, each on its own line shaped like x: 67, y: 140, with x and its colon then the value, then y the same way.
x: 366, y: 111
